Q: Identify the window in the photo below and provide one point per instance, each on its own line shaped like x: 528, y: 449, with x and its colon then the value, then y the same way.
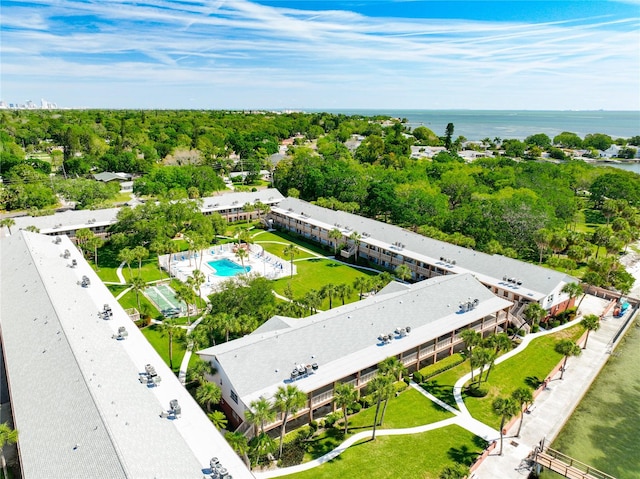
x: 234, y: 396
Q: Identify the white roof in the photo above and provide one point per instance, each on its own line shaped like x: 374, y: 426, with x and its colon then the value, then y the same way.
x: 76, y: 398
x: 344, y: 339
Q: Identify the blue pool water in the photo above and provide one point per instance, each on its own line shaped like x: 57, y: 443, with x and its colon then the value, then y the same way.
x: 226, y: 268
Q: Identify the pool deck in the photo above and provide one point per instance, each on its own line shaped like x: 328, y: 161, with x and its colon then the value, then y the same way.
x: 261, y: 263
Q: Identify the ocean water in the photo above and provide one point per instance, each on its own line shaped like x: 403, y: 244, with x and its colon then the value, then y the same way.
x: 516, y: 124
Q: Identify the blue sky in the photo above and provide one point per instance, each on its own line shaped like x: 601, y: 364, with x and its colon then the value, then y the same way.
x: 277, y: 54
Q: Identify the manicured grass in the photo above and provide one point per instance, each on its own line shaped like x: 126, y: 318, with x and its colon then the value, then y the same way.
x: 315, y: 273
x: 283, y: 237
x: 412, y: 456
x: 409, y: 409
x: 526, y: 369
x: 161, y: 344
x: 116, y: 289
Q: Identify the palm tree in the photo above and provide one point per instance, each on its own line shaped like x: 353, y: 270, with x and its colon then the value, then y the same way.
x: 393, y: 367
x: 138, y: 284
x: 522, y: 396
x: 242, y: 254
x: 573, y: 290
x: 248, y: 208
x: 403, y: 272
x: 379, y: 387
x: 140, y: 253
x: 94, y: 243
x: 208, y: 394
x: 344, y: 395
x: 343, y: 290
x: 199, y: 368
x: 471, y: 338
x: 169, y: 328
x: 260, y: 412
x: 506, y: 408
x: 567, y: 348
x: 7, y: 436
x: 360, y: 284
x: 218, y: 419
x: 533, y: 314
x: 480, y: 357
x: 591, y: 322
x: 329, y: 290
x: 335, y: 235
x: 313, y: 300
x: 195, y: 281
x: 291, y: 251
x: 82, y: 236
x: 287, y: 400
x: 126, y: 256
x: 261, y: 446
x: 186, y: 295
x: 239, y: 443
x: 356, y: 238
x: 500, y: 342
x: 8, y: 222
x: 225, y: 323
x: 542, y: 238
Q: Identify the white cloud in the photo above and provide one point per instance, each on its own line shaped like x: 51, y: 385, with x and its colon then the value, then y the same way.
x: 282, y: 52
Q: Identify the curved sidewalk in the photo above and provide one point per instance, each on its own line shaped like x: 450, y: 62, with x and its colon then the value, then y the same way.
x: 556, y: 404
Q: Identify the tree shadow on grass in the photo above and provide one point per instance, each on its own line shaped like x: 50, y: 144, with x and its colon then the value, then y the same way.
x: 533, y: 382
x: 462, y: 455
x: 444, y: 392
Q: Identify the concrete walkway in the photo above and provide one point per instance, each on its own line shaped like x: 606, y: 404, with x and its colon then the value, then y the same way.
x: 554, y: 406
x: 184, y: 365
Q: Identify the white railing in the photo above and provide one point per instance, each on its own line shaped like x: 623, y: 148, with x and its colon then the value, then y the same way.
x: 365, y: 378
x: 321, y: 398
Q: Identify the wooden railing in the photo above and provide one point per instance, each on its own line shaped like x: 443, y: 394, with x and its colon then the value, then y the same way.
x: 566, y: 465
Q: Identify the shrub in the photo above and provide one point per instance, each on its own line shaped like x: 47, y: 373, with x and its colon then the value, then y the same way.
x: 313, y: 425
x: 535, y: 328
x: 400, y: 386
x: 477, y: 391
x: 417, y: 377
x: 354, y: 408
x: 292, y: 454
x: 554, y: 323
x: 441, y: 366
x: 367, y: 401
x: 331, y: 419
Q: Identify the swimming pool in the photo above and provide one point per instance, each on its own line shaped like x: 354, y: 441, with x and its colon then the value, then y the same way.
x: 226, y: 268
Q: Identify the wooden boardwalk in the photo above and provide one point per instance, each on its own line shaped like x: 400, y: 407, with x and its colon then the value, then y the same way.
x: 565, y: 465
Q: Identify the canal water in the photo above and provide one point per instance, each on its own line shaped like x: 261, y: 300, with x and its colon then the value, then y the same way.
x: 603, y: 430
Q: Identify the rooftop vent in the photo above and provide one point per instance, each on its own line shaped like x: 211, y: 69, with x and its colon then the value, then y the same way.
x: 469, y: 305
x: 58, y: 240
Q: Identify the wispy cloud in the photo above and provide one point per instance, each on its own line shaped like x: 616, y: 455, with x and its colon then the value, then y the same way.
x: 287, y: 53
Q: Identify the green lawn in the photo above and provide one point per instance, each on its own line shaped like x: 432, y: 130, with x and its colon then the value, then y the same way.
x: 315, y: 273
x: 412, y: 456
x: 161, y: 344
x: 409, y: 409
x: 527, y: 368
x: 283, y: 237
